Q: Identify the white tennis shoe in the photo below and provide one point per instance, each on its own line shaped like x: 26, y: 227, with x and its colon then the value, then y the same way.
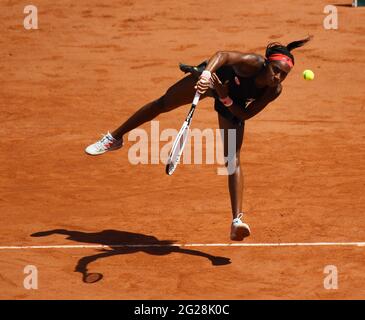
x: 239, y: 230
x: 106, y: 143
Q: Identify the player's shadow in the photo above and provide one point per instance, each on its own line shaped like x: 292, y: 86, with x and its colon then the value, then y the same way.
x: 123, y: 242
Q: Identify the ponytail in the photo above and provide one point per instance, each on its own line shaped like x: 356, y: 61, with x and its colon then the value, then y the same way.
x: 296, y: 44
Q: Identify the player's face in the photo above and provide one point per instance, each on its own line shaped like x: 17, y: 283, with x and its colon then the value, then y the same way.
x: 276, y: 73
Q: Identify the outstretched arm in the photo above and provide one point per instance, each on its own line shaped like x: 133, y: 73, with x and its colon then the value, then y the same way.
x: 222, y: 58
x: 244, y: 63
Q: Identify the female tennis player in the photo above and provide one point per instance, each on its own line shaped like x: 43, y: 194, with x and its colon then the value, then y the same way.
x: 242, y: 84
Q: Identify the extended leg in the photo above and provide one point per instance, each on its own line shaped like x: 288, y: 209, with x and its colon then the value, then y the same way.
x: 181, y: 93
x: 239, y: 230
x: 235, y: 178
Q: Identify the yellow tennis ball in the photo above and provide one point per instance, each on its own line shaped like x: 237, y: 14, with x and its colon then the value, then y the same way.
x: 308, y: 74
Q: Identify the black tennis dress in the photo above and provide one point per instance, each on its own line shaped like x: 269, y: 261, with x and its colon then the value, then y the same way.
x: 240, y: 89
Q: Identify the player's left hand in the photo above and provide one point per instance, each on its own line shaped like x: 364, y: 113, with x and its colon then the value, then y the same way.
x: 219, y: 87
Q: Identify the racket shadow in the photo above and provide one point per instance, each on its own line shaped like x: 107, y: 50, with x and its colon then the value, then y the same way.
x: 114, y: 238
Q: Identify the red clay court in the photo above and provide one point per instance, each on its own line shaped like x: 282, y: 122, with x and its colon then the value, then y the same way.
x: 89, y: 66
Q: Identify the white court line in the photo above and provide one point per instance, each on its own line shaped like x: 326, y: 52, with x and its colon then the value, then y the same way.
x: 288, y: 244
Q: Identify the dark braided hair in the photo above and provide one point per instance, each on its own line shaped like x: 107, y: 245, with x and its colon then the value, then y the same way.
x: 276, y: 47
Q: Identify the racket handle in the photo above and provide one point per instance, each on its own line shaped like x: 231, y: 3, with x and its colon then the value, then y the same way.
x: 196, y: 99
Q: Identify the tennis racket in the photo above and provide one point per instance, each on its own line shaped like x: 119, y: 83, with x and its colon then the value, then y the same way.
x: 180, y: 140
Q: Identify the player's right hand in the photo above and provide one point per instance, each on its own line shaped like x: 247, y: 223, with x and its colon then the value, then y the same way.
x: 204, y: 82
